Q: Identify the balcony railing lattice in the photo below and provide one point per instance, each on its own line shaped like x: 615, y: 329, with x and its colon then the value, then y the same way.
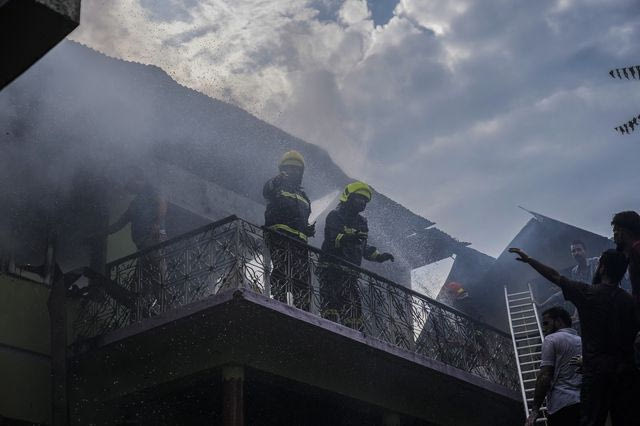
x: 232, y: 254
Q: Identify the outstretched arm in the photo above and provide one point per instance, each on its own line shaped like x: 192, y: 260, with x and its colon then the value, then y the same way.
x: 544, y: 270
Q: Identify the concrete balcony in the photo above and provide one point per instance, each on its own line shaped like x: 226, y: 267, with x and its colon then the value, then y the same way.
x: 218, y: 315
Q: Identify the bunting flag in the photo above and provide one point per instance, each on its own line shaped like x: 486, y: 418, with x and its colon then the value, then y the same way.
x: 629, y: 126
x: 626, y: 71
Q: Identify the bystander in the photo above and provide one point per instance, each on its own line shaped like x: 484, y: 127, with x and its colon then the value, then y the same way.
x: 609, y: 326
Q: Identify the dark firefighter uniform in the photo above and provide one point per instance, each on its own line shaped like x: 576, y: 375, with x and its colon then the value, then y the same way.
x: 287, y: 216
x: 345, y: 237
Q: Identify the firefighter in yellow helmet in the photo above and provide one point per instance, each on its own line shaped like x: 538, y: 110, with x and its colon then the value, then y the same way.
x: 345, y: 237
x: 287, y: 217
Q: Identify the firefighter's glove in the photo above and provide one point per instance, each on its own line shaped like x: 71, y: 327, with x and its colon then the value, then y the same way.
x: 384, y: 257
x: 353, y: 237
x: 311, y: 230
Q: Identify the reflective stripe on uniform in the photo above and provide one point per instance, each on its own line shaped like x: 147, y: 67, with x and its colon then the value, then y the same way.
x: 348, y: 231
x: 283, y: 227
x: 294, y: 196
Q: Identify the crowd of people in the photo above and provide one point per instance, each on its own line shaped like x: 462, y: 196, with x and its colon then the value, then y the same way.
x: 584, y: 378
x: 589, y: 378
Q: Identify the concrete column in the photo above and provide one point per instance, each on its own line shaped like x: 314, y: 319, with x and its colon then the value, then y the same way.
x: 233, y: 396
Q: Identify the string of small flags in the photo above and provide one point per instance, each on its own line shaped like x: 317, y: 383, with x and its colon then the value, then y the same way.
x: 629, y: 126
x: 633, y: 71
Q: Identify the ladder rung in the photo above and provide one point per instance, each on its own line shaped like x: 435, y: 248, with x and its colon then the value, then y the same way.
x: 524, y: 318
x: 532, y: 348
x: 524, y: 304
x: 529, y: 380
x: 527, y: 324
x: 530, y: 362
x: 535, y: 345
x: 522, y: 298
x: 530, y: 332
x: 528, y: 338
x: 533, y: 333
x: 531, y: 354
x: 517, y: 294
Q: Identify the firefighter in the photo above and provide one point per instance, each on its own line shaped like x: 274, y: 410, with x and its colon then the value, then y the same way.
x: 287, y: 219
x: 458, y: 297
x: 345, y: 237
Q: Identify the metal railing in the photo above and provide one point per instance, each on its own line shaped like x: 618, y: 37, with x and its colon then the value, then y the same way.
x: 232, y: 254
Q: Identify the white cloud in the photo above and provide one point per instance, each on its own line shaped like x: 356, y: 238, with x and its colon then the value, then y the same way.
x: 461, y: 110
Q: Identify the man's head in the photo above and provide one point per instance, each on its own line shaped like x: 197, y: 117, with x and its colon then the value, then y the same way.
x: 355, y: 196
x: 578, y: 251
x: 553, y: 319
x: 626, y: 229
x: 611, y: 267
x: 292, y: 165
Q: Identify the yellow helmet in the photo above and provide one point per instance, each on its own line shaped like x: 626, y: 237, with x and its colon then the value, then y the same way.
x: 356, y: 188
x: 292, y: 158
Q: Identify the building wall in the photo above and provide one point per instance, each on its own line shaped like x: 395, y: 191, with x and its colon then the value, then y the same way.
x: 25, y: 385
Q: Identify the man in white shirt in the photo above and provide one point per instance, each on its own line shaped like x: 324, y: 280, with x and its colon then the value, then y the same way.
x: 558, y: 379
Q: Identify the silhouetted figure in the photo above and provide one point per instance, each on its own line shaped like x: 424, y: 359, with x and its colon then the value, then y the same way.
x: 609, y: 326
x: 626, y: 235
x: 345, y: 237
x: 146, y: 213
x: 287, y: 216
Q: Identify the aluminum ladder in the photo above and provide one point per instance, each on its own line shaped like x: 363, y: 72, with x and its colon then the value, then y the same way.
x: 527, y: 338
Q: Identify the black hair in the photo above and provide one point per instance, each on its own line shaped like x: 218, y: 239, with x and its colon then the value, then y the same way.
x: 628, y: 220
x: 615, y: 265
x: 559, y: 313
x: 579, y: 242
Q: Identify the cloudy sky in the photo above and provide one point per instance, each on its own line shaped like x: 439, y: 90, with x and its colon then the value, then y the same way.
x: 460, y: 110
